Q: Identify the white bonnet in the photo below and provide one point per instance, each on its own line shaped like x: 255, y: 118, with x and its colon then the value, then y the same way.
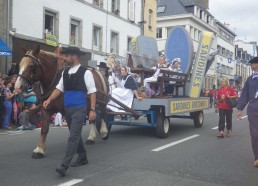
x: 176, y: 59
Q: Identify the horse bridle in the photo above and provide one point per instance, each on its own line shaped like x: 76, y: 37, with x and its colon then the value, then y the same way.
x: 36, y: 64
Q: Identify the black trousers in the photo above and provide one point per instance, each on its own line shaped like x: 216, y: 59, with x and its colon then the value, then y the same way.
x: 225, y: 115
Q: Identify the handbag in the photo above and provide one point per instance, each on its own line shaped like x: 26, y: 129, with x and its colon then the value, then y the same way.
x: 232, y: 102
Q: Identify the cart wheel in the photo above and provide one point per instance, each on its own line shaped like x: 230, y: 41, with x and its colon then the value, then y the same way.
x: 198, y: 119
x: 162, y: 125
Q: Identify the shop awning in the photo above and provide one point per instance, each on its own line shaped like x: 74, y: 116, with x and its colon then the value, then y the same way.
x: 4, y: 49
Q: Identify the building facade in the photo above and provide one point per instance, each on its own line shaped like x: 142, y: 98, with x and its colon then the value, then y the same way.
x: 98, y: 27
x: 225, y: 59
x: 244, y: 51
x: 150, y: 18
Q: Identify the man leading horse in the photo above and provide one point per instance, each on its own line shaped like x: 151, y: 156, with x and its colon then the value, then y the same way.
x: 74, y: 83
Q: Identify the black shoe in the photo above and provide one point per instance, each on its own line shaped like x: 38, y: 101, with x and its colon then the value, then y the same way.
x: 79, y: 162
x: 61, y: 170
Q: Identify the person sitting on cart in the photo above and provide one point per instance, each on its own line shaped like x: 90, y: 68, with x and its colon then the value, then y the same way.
x: 162, y: 64
x: 125, y: 93
x: 169, y: 89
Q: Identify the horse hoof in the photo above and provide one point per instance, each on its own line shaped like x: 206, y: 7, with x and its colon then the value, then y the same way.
x: 37, y: 155
x: 105, y: 138
x: 89, y: 142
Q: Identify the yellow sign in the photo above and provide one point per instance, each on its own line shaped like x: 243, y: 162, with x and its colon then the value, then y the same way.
x: 188, y: 105
x: 51, y: 40
x: 200, y: 64
x: 133, y: 47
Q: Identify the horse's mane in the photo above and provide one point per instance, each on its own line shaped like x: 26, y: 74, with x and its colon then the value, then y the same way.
x: 47, y: 55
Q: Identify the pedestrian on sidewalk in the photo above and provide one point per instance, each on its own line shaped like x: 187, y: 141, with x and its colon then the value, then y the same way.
x: 249, y: 95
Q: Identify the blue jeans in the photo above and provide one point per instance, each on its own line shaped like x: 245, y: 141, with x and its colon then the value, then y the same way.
x: 8, y: 112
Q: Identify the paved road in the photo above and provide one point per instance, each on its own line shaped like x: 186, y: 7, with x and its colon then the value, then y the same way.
x: 133, y: 156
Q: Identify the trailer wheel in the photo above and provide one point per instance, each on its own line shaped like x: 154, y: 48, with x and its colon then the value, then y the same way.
x: 198, y: 118
x: 162, y: 125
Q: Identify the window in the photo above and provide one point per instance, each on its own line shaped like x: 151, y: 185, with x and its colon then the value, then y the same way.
x: 159, y: 33
x: 161, y: 9
x: 129, y: 41
x: 98, y: 3
x: 97, y: 38
x: 169, y: 30
x: 114, y: 43
x: 50, y: 23
x: 201, y: 12
x: 115, y: 7
x: 131, y: 10
x: 75, y: 32
x: 150, y: 19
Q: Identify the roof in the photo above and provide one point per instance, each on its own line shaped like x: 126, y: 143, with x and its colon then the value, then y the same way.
x: 176, y: 7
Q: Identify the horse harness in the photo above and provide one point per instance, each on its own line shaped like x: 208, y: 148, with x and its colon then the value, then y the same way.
x: 34, y: 68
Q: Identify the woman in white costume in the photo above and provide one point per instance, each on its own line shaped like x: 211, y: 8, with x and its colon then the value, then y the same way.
x: 125, y: 93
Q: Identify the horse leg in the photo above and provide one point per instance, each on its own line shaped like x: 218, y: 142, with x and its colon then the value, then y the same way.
x: 104, y: 130
x: 39, y: 151
x: 92, y: 135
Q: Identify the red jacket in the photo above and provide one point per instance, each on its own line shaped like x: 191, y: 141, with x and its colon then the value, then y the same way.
x: 222, y: 95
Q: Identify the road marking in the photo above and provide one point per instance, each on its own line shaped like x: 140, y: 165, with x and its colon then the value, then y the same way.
x: 175, y: 143
x: 15, y: 132
x: 71, y: 182
x: 215, y: 127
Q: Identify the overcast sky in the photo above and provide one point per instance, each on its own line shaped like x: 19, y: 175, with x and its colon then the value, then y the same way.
x: 241, y: 15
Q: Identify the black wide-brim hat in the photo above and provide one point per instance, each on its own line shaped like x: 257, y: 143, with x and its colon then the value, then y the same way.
x: 72, y: 50
x: 103, y: 65
x: 254, y: 60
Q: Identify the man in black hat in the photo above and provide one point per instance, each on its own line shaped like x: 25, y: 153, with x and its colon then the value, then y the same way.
x: 103, y: 69
x: 249, y: 95
x: 75, y: 83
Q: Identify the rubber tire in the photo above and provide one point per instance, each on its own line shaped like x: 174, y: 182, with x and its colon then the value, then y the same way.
x: 162, y: 125
x: 198, y: 119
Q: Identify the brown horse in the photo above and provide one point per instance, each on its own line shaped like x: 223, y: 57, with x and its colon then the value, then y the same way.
x: 41, y: 66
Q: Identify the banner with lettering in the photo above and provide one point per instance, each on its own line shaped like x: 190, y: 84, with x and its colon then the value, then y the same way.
x: 200, y: 64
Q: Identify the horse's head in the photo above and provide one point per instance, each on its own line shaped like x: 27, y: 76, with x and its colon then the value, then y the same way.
x: 29, y: 65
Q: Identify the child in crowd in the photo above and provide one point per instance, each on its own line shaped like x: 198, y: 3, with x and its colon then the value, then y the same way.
x: 24, y: 120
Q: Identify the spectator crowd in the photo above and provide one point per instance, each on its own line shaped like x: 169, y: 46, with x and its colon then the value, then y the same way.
x: 16, y: 104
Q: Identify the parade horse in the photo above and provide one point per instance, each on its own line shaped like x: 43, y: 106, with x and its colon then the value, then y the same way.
x: 42, y: 66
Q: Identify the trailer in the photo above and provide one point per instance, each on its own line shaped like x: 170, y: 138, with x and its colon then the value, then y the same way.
x: 160, y: 111
x: 186, y: 103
